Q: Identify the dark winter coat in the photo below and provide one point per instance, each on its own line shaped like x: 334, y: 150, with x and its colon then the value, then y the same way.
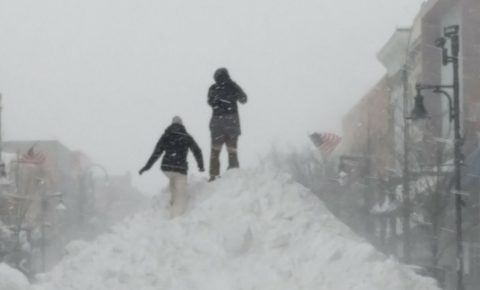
x: 223, y: 97
x: 175, y: 142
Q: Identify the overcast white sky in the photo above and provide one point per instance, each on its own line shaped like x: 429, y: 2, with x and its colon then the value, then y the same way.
x: 106, y: 76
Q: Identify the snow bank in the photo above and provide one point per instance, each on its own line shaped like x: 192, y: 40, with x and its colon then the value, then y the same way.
x: 248, y: 230
x: 11, y: 279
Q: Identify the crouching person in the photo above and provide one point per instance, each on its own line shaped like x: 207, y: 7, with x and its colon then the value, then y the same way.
x: 175, y: 143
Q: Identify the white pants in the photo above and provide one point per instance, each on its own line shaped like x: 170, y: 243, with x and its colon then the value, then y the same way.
x: 178, y: 191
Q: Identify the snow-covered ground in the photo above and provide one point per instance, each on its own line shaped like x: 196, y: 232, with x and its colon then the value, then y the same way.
x: 252, y: 229
x: 12, y: 279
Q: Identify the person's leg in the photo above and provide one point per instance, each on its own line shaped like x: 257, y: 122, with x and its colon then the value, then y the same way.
x: 179, y: 194
x: 171, y: 187
x: 232, y: 144
x: 217, y: 134
x: 217, y: 143
x: 182, y: 193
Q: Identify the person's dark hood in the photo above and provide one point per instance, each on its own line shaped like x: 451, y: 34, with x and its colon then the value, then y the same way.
x: 221, y: 76
x: 176, y: 129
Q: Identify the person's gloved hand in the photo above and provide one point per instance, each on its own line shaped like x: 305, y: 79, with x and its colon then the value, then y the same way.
x: 142, y: 171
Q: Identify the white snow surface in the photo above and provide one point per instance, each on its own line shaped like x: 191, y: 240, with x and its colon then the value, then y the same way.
x: 12, y: 279
x: 251, y: 229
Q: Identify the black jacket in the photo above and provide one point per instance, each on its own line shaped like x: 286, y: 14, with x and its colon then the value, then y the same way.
x: 175, y: 142
x: 224, y: 94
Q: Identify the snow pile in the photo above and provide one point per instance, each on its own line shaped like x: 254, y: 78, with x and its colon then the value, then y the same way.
x: 249, y: 230
x: 11, y: 279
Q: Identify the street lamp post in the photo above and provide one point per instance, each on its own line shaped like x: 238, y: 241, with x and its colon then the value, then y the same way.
x: 406, y: 210
x: 419, y: 112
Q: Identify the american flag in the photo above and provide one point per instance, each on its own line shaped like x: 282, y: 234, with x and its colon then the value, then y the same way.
x: 33, y: 157
x: 326, y: 142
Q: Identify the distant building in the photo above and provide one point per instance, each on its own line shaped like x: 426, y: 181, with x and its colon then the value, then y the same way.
x: 57, y: 167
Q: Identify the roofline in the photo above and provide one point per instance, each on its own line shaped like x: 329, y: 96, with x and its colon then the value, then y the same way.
x: 26, y: 142
x: 391, y: 39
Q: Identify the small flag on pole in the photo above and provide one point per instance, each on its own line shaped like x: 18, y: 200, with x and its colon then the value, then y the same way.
x: 326, y: 142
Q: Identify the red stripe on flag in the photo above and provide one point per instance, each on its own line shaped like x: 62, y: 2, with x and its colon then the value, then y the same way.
x: 326, y: 142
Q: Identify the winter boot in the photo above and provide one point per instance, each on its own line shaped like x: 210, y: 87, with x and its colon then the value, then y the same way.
x: 233, y: 160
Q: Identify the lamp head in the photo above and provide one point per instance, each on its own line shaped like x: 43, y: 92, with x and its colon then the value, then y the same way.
x: 451, y: 31
x: 419, y: 111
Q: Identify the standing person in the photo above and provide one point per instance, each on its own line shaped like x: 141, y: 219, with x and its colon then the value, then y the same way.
x: 176, y: 142
x: 223, y: 96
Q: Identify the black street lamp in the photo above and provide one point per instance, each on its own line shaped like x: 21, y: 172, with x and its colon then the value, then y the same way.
x: 419, y: 112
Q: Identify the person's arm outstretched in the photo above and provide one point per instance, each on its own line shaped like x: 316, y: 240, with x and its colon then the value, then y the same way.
x: 157, y: 152
x: 197, y: 152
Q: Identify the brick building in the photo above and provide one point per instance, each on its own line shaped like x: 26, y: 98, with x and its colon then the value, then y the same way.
x: 413, y: 50
x: 366, y: 129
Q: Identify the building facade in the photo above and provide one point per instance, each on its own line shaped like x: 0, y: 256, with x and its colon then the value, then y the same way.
x: 412, y: 56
